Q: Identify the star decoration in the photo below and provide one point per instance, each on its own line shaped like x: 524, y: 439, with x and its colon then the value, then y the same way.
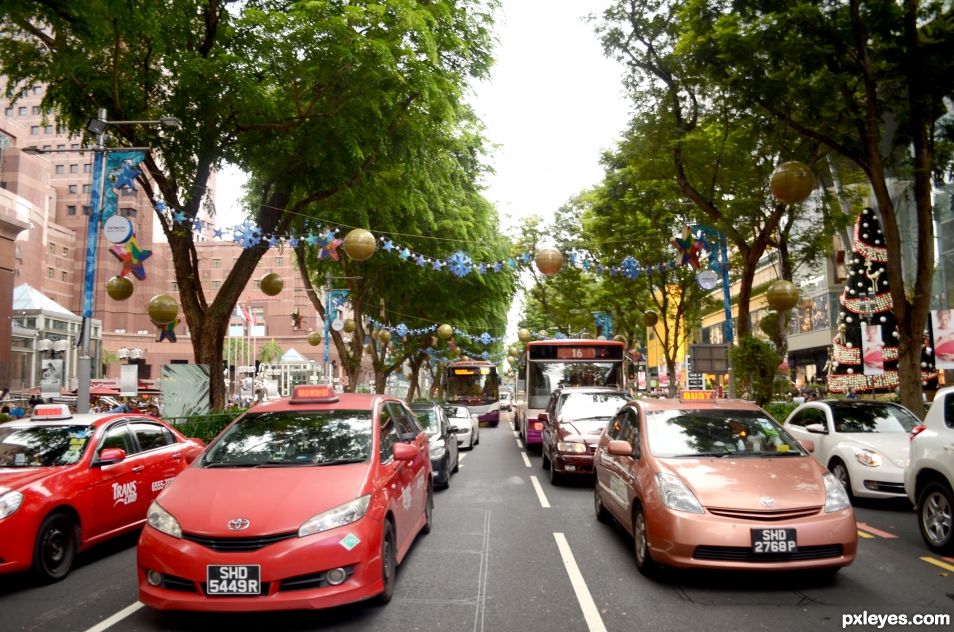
x: 388, y: 245
x: 689, y: 248
x: 437, y: 264
x: 127, y: 176
x: 330, y: 250
x: 420, y: 260
x: 311, y: 240
x: 132, y: 257
x: 296, y: 319
x: 273, y: 242
x: 179, y: 217
x: 160, y: 206
x: 405, y: 254
x: 198, y: 225
x: 497, y: 266
x: 218, y: 233
x: 167, y: 332
x: 293, y: 242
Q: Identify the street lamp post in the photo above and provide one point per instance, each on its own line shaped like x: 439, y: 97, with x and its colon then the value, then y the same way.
x: 97, y: 127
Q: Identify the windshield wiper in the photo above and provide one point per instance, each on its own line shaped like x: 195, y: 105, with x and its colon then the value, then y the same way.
x: 227, y: 464
x: 697, y: 454
x: 769, y: 455
x: 341, y: 461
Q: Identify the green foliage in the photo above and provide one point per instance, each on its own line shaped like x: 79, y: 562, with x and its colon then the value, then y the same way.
x: 754, y: 364
x: 270, y: 352
x: 780, y: 410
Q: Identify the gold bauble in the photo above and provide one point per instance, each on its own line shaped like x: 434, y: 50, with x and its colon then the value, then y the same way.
x: 543, y: 334
x: 782, y: 295
x: 454, y: 352
x: 271, y: 284
x: 791, y: 182
x: 314, y: 338
x: 769, y: 324
x: 162, y: 309
x: 119, y: 288
x: 549, y: 261
x: 384, y: 336
x: 445, y: 331
x: 349, y: 325
x: 650, y: 318
x: 360, y: 244
x: 524, y: 335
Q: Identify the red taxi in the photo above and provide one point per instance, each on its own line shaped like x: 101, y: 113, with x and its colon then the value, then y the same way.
x: 302, y: 503
x: 701, y: 482
x: 70, y: 481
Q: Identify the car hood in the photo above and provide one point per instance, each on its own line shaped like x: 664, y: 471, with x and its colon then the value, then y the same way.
x: 20, y: 477
x: 895, y: 446
x: 742, y: 483
x: 587, y: 429
x: 273, y: 500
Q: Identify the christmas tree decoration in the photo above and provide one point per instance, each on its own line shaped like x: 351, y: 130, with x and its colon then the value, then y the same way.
x: 132, y: 258
x: 314, y: 338
x: 689, y: 248
x: 119, y: 288
x: 162, y: 309
x: 384, y: 336
x: 864, y: 354
x: 549, y: 261
x: 167, y: 331
x: 349, y: 325
x: 445, y: 331
x: 782, y: 295
x: 524, y: 335
x: 296, y: 319
x: 271, y: 284
x: 791, y: 182
x: 650, y: 318
x: 360, y: 244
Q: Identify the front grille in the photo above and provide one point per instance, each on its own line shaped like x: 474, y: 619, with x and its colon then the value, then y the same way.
x: 766, y: 516
x: 745, y: 554
x: 314, y: 580
x: 230, y: 545
x: 171, y: 582
x: 265, y: 586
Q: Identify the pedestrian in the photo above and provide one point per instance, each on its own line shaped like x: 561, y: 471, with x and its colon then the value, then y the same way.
x: 5, y: 394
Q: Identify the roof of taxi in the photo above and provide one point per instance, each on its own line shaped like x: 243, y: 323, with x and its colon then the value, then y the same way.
x: 85, y: 419
x: 651, y: 404
x: 345, y: 401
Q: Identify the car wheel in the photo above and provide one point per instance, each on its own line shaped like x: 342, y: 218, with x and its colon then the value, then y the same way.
x: 428, y: 512
x: 456, y: 465
x: 644, y: 559
x: 388, y: 564
x: 55, y: 548
x: 555, y: 477
x: 443, y: 475
x: 935, y: 520
x: 602, y: 513
x: 840, y: 470
x: 544, y: 461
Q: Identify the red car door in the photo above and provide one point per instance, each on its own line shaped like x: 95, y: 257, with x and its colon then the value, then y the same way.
x: 418, y: 469
x: 162, y: 455
x: 119, y: 498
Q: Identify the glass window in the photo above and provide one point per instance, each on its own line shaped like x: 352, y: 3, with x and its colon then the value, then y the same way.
x: 63, y: 275
x: 127, y: 212
x: 576, y: 405
x: 872, y: 417
x: 216, y: 263
x: 73, y: 188
x: 49, y: 273
x: 389, y: 433
x: 52, y: 248
x: 22, y: 111
x: 151, y: 436
x: 616, y: 425
x: 60, y: 169
x: 86, y: 188
x: 8, y: 111
x: 118, y: 437
x: 87, y: 168
x: 42, y: 446
x: 278, y: 261
x: 290, y: 438
x: 693, y: 433
x: 35, y: 109
x: 175, y: 286
x: 74, y: 168
x: 406, y: 422
x: 71, y: 209
x: 630, y: 429
x: 87, y: 210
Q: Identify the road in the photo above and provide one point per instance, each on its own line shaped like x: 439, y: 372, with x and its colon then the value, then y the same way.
x: 511, y: 552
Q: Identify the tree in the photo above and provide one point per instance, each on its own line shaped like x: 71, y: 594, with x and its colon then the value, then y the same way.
x: 311, y: 98
x: 865, y: 80
x: 270, y: 352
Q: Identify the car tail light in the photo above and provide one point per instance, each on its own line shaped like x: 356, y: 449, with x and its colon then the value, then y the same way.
x: 537, y: 425
x: 918, y: 429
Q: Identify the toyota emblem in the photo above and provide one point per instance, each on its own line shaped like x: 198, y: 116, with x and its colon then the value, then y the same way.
x: 238, y: 524
x: 765, y: 501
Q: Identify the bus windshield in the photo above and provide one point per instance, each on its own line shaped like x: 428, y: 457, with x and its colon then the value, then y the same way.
x: 471, y: 385
x: 545, y: 377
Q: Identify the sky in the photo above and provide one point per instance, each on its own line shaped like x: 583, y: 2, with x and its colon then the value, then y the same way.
x: 552, y: 104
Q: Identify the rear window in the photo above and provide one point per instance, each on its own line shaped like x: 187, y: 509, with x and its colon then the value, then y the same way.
x: 291, y: 438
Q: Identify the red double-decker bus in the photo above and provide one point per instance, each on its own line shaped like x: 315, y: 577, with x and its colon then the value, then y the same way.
x: 551, y: 364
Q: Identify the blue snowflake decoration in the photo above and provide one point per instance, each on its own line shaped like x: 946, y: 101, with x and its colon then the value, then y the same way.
x: 485, y: 338
x: 630, y: 267
x: 247, y: 234
x: 460, y: 264
x: 401, y: 330
x: 485, y: 355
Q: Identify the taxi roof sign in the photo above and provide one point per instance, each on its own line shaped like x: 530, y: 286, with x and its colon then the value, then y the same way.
x: 696, y: 396
x: 313, y: 393
x: 51, y: 411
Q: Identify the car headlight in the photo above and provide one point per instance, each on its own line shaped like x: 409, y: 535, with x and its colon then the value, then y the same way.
x: 437, y: 449
x: 868, y: 457
x: 351, y: 511
x: 10, y: 501
x: 161, y: 520
x: 836, y: 498
x: 570, y: 446
x: 676, y: 495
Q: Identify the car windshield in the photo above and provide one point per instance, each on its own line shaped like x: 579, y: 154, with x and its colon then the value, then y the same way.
x: 42, y: 446
x: 590, y: 405
x: 870, y: 417
x: 289, y: 438
x: 457, y: 412
x: 428, y: 419
x: 691, y: 433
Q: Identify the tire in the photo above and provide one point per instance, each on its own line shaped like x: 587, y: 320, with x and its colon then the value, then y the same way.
x: 555, y: 477
x: 602, y: 513
x: 456, y: 466
x: 55, y: 548
x: 935, y: 520
x: 428, y: 512
x: 840, y: 470
x: 477, y: 438
x: 443, y: 476
x: 544, y: 461
x: 644, y: 559
x: 388, y: 565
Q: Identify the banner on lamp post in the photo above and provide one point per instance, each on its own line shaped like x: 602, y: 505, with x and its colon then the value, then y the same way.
x: 129, y: 380
x: 51, y: 377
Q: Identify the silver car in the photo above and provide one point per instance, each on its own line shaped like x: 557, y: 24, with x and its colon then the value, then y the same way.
x: 468, y: 426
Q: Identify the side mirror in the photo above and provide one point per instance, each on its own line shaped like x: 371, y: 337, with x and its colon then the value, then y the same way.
x: 452, y: 429
x: 544, y: 417
x: 108, y: 456
x: 619, y: 448
x: 404, y: 452
x: 808, y: 444
x: 816, y: 428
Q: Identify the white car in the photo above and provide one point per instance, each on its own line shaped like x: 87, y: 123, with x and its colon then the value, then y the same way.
x: 505, y: 401
x: 929, y: 479
x: 864, y: 443
x: 468, y: 426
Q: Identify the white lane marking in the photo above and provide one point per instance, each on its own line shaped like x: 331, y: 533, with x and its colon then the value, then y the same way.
x: 516, y: 433
x: 526, y: 461
x: 540, y: 495
x: 482, y: 575
x: 461, y: 457
x: 116, y: 618
x: 594, y: 622
x: 519, y: 444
